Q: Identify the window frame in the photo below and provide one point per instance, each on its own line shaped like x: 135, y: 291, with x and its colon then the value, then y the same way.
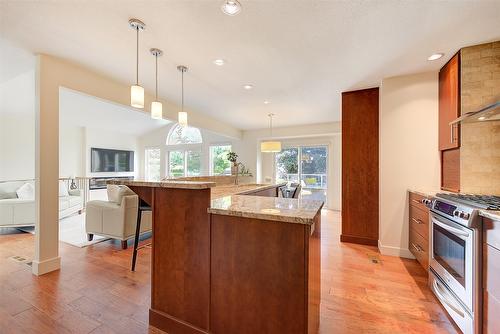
x: 210, y: 162
x: 146, y: 161
x: 184, y: 152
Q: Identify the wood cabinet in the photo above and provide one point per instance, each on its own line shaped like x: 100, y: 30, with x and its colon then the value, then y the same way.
x: 449, y: 136
x: 418, y: 220
x: 360, y: 166
x: 491, y: 273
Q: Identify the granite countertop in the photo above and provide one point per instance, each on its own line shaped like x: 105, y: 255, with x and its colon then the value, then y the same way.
x: 164, y: 184
x: 279, y: 209
x: 495, y: 215
x: 241, y: 189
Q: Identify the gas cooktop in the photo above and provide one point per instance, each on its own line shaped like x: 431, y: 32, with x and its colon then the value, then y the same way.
x: 480, y: 201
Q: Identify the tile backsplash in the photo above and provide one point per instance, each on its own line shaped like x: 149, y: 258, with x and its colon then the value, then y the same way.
x: 480, y: 142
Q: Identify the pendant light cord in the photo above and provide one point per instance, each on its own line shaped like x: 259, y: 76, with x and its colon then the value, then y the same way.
x: 137, y: 58
x: 156, y: 73
x: 182, y: 90
x: 271, y: 124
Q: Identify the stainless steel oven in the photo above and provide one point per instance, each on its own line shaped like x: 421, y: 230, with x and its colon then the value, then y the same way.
x: 455, y: 257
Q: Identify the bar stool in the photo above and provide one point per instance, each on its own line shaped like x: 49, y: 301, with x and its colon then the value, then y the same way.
x: 142, y: 208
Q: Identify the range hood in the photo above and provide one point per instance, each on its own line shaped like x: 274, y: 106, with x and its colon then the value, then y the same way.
x: 489, y: 113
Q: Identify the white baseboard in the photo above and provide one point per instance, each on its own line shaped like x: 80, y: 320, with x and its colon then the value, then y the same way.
x: 46, y: 266
x: 395, y: 251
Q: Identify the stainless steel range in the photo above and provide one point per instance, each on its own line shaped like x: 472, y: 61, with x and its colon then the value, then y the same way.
x: 455, y: 256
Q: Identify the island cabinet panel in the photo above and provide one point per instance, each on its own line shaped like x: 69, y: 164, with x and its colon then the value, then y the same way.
x: 360, y: 166
x: 272, y: 192
x: 261, y: 276
x: 180, y: 295
x: 491, y: 274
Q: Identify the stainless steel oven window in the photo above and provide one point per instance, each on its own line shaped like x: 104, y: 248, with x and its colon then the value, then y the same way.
x: 449, y: 252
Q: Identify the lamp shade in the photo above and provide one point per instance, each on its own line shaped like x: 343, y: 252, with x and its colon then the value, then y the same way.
x: 183, y: 118
x: 137, y: 96
x: 270, y: 146
x: 156, y: 110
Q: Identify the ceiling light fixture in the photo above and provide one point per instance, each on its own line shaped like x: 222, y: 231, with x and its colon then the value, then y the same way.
x: 248, y: 86
x: 231, y: 7
x: 182, y: 116
x: 219, y: 62
x: 435, y: 56
x: 136, y: 91
x: 266, y: 102
x: 270, y: 146
x: 482, y: 118
x: 156, y: 106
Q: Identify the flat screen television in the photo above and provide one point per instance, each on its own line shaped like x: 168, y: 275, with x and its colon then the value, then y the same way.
x: 104, y: 160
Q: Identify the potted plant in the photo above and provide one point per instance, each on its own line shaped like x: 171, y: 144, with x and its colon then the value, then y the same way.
x: 233, y: 157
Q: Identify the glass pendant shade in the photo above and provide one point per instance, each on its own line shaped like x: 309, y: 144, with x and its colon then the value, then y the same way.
x: 156, y: 110
x: 183, y: 118
x: 137, y: 96
x: 270, y: 146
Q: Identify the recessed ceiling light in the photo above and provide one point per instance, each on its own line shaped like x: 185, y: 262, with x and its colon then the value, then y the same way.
x: 248, y: 86
x: 482, y: 118
x: 219, y: 62
x: 231, y: 7
x: 266, y: 102
x: 435, y: 56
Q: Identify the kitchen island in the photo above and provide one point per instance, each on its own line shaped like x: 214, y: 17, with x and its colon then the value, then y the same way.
x: 232, y: 258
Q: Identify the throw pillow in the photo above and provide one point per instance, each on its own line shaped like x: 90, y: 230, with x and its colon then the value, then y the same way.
x: 63, y: 190
x: 116, y: 193
x: 26, y: 191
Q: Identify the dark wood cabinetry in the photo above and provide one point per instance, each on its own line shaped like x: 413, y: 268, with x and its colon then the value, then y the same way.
x: 449, y: 136
x: 360, y: 166
x: 418, y: 220
x: 491, y: 272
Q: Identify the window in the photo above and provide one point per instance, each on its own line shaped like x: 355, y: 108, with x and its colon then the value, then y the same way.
x: 184, y: 163
x: 306, y: 165
x: 219, y: 165
x: 152, y: 164
x: 180, y: 135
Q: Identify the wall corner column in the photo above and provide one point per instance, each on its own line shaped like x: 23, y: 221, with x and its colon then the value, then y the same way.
x: 46, y: 257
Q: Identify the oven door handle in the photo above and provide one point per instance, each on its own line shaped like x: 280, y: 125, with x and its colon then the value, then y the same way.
x: 461, y: 234
x: 441, y: 295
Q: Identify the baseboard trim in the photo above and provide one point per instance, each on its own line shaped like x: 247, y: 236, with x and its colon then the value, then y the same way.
x: 40, y: 268
x: 358, y: 240
x: 395, y: 251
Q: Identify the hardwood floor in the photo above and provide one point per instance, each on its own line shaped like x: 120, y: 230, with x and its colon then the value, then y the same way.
x: 95, y: 292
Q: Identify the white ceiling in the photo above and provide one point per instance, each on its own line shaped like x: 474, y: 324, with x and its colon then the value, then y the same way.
x: 300, y: 55
x: 77, y: 109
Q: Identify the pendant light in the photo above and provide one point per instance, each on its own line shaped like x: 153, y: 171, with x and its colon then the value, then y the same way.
x: 136, y: 91
x: 156, y: 106
x: 182, y: 116
x: 270, y: 146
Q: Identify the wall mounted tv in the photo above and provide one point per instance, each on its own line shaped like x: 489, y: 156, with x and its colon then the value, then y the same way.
x: 105, y: 160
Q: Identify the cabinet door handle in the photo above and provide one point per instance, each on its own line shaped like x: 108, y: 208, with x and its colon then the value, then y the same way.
x: 417, y: 221
x: 451, y: 133
x: 415, y: 201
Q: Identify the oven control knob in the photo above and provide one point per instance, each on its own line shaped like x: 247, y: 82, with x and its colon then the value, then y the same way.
x: 464, y: 215
x: 456, y: 213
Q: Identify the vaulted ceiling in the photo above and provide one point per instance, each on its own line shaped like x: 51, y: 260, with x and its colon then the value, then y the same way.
x: 299, y: 55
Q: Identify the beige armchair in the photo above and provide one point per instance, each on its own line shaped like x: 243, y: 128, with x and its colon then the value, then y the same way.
x: 117, y: 217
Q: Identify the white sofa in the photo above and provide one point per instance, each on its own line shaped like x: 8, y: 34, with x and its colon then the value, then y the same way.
x: 17, y: 212
x: 116, y: 218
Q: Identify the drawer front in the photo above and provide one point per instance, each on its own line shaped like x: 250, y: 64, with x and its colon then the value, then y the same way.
x: 491, y: 310
x: 491, y: 230
x: 419, y: 221
x: 416, y: 200
x: 420, y: 248
x: 491, y: 271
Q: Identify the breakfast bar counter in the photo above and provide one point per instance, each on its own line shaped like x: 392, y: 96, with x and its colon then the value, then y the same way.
x: 231, y: 258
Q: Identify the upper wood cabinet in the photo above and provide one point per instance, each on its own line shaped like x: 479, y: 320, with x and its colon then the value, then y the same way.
x: 449, y: 104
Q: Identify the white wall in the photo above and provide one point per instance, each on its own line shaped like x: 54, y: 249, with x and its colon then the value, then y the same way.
x: 71, y: 150
x: 17, y: 127
x: 409, y: 157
